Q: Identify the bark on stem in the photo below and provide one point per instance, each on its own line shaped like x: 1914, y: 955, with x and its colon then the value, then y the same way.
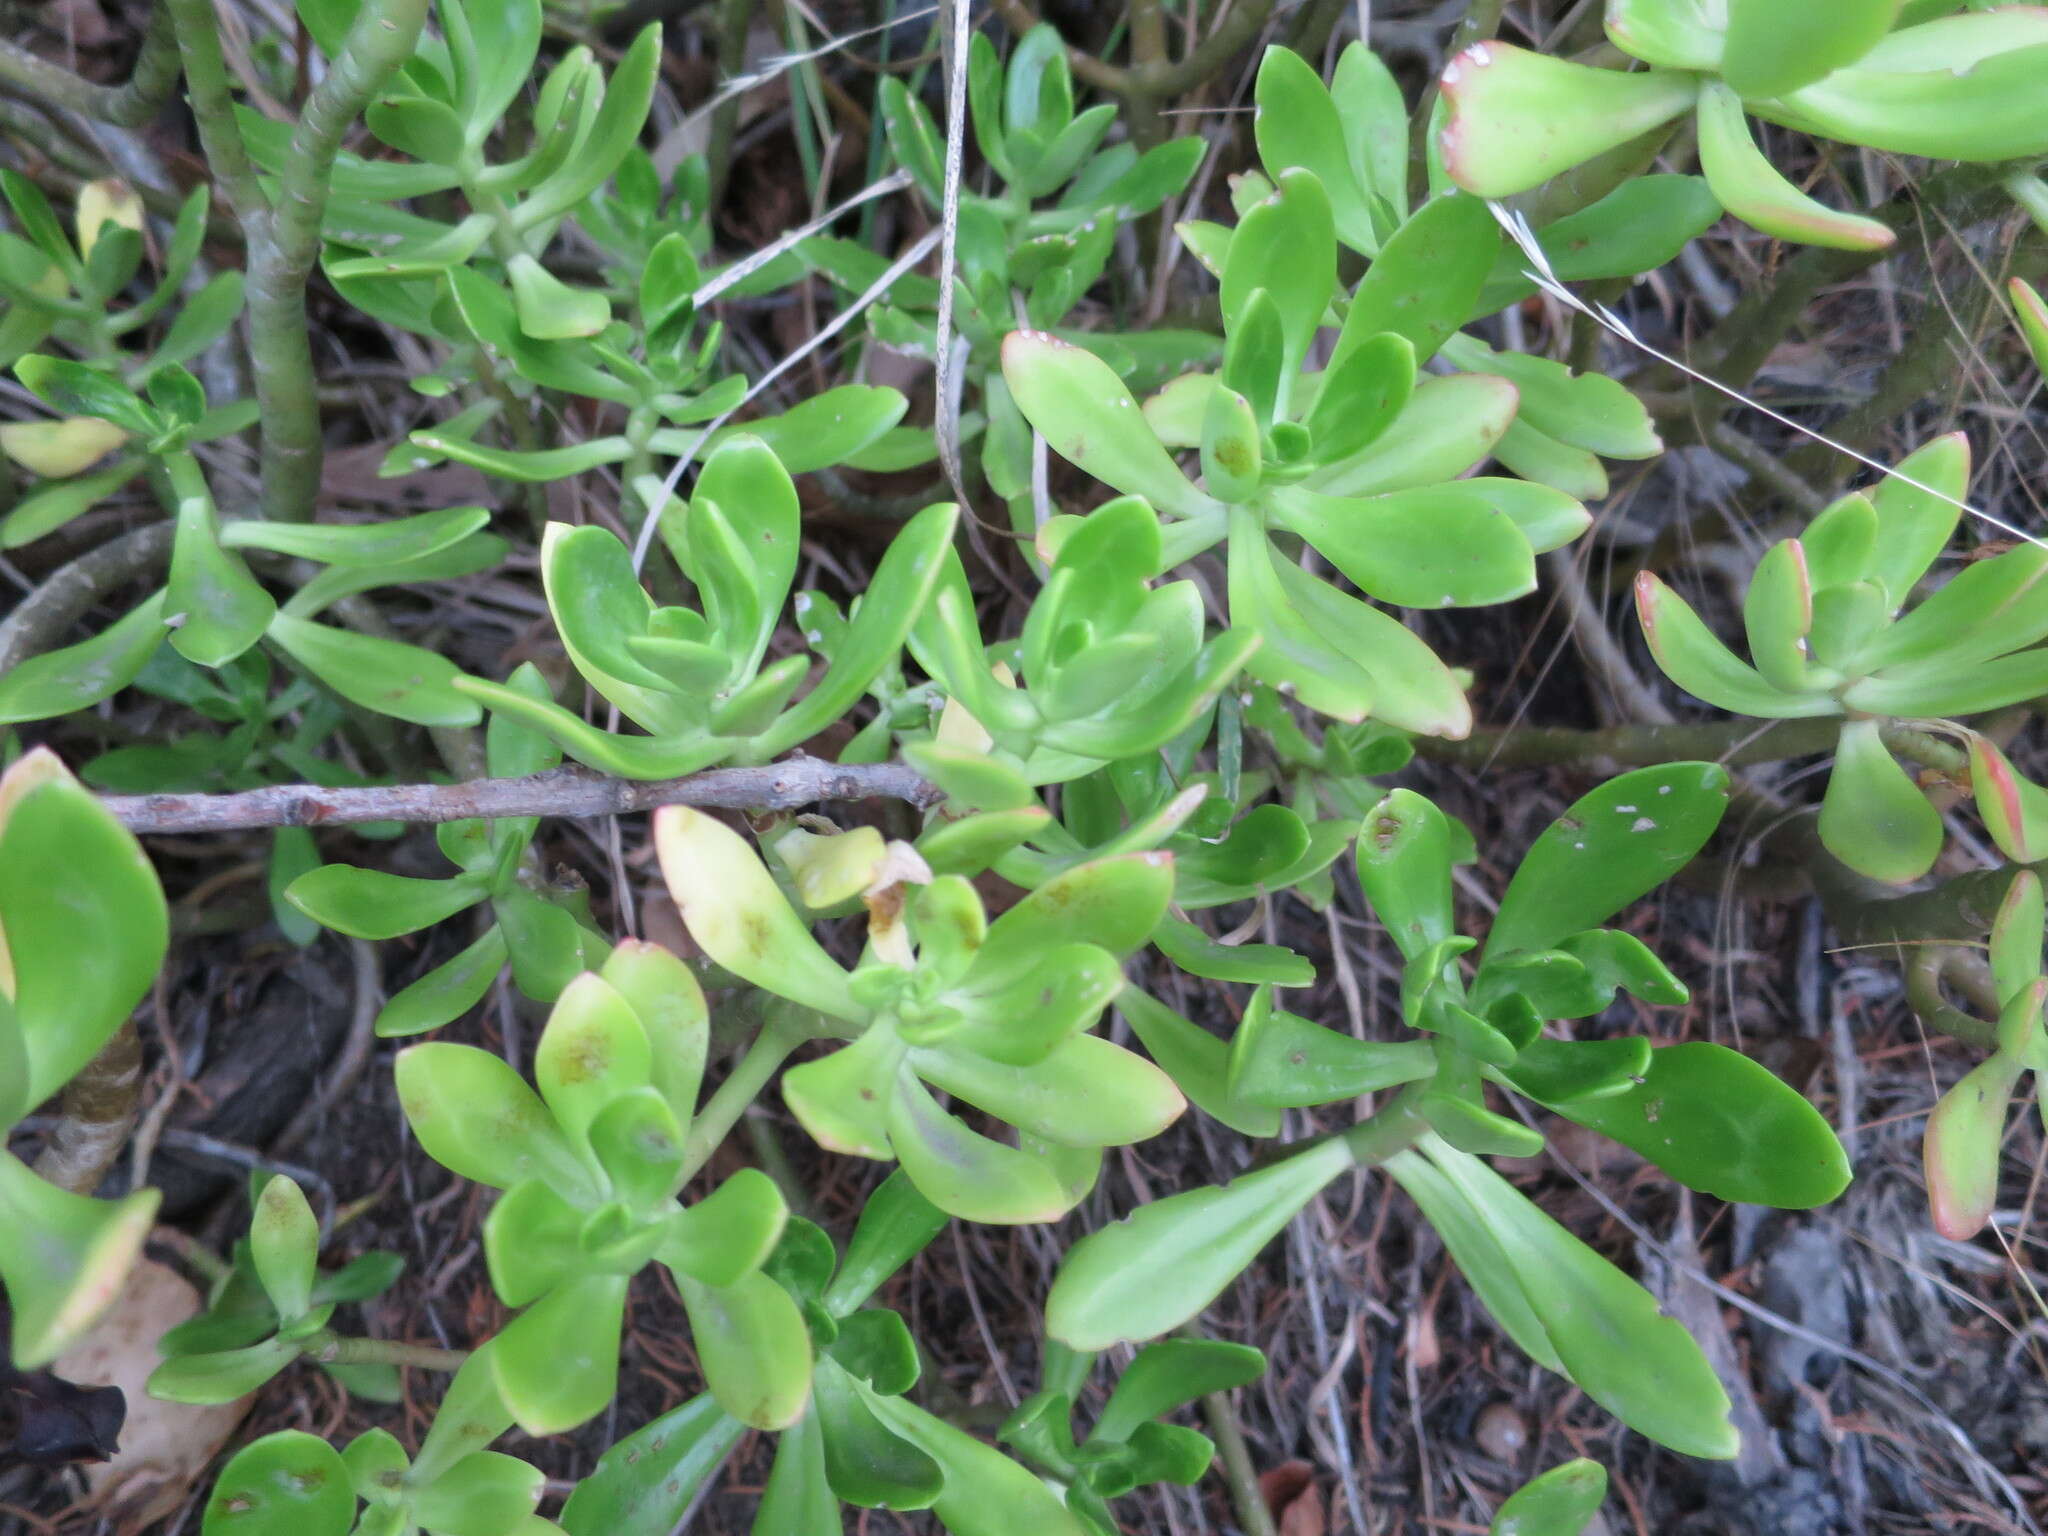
x: 212, y: 100
x: 68, y: 594
x: 281, y: 262
x: 1729, y: 742
x: 568, y: 791
x: 98, y: 1112
x: 128, y: 105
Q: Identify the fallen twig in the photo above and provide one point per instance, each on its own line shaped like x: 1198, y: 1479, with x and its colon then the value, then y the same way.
x: 567, y: 791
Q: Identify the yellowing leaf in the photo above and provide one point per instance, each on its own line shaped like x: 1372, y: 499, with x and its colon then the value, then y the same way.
x: 102, y: 202
x: 55, y: 449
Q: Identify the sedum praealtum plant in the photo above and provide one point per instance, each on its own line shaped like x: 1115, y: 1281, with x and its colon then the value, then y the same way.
x: 590, y: 1168
x: 65, y: 289
x: 1967, y: 1125
x: 1833, y: 631
x: 996, y: 1014
x: 272, y: 1306
x: 694, y: 679
x: 1944, y: 81
x: 1708, y: 1116
x: 1129, y: 772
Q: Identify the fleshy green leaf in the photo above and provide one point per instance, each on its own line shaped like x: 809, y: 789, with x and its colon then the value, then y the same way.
x: 1757, y: 193
x: 644, y: 1483
x: 557, y: 1363
x: 1913, y: 525
x: 50, y: 506
x: 967, y: 1174
x: 1196, y: 1060
x: 1497, y: 93
x: 1089, y: 417
x: 2032, y: 314
x: 664, y: 993
x: 387, y: 543
x: 739, y: 917
x: 1112, y: 903
x: 222, y: 1375
x: 1086, y: 1092
x: 76, y: 676
x: 287, y: 1484
x: 388, y: 676
x: 63, y: 1258
x: 1719, y: 1123
x: 799, y: 1498
x: 1431, y: 547
x: 985, y: 1492
x: 1361, y: 396
x: 1770, y: 49
x: 284, y: 1244
x: 1165, y: 1262
x: 1296, y: 125
x: 1614, y: 845
x: 829, y: 428
x: 2015, y: 809
x: 475, y: 1116
x: 1426, y: 283
x: 1281, y: 1061
x: 448, y: 991
x: 1561, y: 1502
x: 77, y: 389
x: 1169, y: 1373
x: 592, y: 1052
x: 83, y: 929
x: 753, y: 1347
x: 1693, y: 657
x: 214, y: 607
x: 1874, y: 817
x: 369, y: 904
x: 1404, y: 856
x: 1608, y: 1334
x: 868, y: 1463
x: 1285, y: 246
x: 1447, y: 427
x: 1777, y: 613
x: 894, y: 1227
x: 729, y: 1233
x: 481, y: 1495
x: 1961, y: 1147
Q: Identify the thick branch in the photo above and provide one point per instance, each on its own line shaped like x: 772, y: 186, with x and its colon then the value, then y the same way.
x: 212, y: 99
x: 1729, y: 742
x: 99, y: 1112
x: 1233, y: 32
x: 279, y: 265
x: 126, y: 106
x: 333, y: 1349
x: 569, y: 791
x: 67, y: 595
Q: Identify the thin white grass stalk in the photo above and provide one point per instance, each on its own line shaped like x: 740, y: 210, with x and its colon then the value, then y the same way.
x: 895, y: 181
x: 949, y: 387
x: 838, y: 323
x: 781, y: 63
x: 1539, y: 272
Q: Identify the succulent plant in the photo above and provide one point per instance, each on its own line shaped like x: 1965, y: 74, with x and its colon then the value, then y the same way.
x: 590, y: 1171
x: 1833, y: 630
x: 994, y: 1013
x: 1912, y: 80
